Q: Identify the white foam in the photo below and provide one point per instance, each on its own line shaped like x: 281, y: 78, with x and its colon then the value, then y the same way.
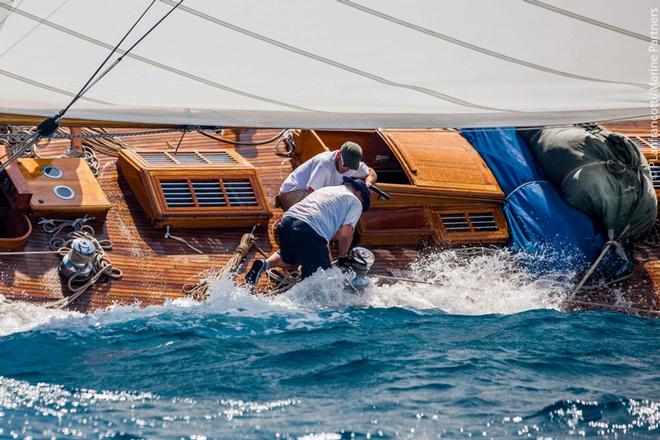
x: 21, y: 316
x: 485, y: 284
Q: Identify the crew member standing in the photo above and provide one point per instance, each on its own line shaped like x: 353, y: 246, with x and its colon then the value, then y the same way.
x: 325, y: 169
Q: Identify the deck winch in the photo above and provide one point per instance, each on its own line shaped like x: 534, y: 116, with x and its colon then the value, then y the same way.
x: 78, y: 263
x: 360, y: 261
x: 84, y: 261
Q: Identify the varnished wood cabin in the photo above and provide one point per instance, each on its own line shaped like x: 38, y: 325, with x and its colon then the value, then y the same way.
x: 211, y: 193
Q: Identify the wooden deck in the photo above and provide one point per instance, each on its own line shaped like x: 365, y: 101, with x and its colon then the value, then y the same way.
x: 156, y: 268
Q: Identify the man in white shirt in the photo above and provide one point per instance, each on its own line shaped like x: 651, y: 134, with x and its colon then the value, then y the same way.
x: 308, y: 227
x: 324, y: 169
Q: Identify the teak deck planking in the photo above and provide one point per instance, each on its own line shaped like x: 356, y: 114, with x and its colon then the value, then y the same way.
x: 155, y: 269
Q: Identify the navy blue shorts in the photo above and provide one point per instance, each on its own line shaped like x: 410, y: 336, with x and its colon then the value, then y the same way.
x: 300, y: 244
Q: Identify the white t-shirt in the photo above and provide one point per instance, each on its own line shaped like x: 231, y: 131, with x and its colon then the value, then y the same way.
x: 318, y: 172
x: 328, y: 209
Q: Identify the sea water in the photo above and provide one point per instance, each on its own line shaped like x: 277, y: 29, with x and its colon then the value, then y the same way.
x: 483, y: 352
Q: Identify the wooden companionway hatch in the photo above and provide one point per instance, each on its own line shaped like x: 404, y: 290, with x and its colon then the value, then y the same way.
x: 440, y: 188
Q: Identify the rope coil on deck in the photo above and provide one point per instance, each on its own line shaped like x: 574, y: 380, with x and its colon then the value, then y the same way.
x: 282, y: 280
x: 101, y: 267
x: 200, y: 290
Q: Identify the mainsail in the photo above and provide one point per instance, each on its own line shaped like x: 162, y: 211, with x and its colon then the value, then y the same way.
x: 330, y: 64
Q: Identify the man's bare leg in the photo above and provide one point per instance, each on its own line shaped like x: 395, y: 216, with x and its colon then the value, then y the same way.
x: 275, y: 260
x: 261, y: 266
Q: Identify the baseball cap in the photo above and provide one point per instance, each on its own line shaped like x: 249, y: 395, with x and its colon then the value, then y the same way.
x: 351, y: 155
x: 363, y: 188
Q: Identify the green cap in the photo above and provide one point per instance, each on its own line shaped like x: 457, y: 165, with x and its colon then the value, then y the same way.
x: 351, y: 155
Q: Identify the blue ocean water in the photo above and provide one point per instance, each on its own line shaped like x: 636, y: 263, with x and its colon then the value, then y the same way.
x: 475, y: 358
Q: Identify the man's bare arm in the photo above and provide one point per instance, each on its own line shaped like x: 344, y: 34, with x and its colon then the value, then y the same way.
x: 371, y: 178
x: 344, y: 238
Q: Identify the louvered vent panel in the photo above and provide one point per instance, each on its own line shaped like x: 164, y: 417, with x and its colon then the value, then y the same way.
x: 220, y: 157
x: 653, y: 142
x: 655, y: 175
x: 240, y: 193
x: 177, y: 193
x: 156, y: 158
x: 191, y: 158
x: 639, y: 143
x: 455, y: 222
x: 483, y: 221
x: 209, y: 193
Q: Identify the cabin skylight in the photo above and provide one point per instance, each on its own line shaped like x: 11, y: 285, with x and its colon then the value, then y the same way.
x: 195, y: 189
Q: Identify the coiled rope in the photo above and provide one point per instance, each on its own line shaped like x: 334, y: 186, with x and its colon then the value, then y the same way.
x: 279, y: 281
x: 101, y: 266
x: 88, y: 150
x: 78, y: 284
x: 89, y: 155
x: 200, y: 290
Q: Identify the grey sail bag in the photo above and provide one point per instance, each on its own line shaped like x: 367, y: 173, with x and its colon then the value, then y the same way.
x: 601, y: 173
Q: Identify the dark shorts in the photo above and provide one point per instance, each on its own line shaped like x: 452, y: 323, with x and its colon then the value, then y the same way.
x: 300, y: 244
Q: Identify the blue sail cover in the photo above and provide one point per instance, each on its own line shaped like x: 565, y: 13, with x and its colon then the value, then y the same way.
x: 541, y: 223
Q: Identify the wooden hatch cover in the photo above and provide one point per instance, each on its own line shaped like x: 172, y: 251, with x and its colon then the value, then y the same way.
x: 61, y: 187
x: 443, y: 160
x: 195, y: 189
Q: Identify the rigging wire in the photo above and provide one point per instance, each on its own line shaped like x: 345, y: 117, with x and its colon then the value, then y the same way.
x: 118, y: 60
x: 229, y: 141
x: 87, y: 85
x: 49, y: 125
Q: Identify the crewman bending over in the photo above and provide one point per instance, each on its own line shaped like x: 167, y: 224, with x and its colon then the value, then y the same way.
x: 325, y: 169
x: 308, y: 227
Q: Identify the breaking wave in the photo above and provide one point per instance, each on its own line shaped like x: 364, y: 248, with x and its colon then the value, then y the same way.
x: 16, y: 316
x: 491, y: 283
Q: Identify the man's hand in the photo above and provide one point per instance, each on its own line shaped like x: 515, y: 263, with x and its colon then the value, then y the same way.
x: 371, y: 178
x: 343, y: 261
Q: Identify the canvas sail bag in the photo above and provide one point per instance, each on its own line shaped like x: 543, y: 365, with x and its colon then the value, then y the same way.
x: 601, y: 173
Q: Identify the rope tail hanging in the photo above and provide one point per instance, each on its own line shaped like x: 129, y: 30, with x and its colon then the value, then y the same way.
x: 180, y: 239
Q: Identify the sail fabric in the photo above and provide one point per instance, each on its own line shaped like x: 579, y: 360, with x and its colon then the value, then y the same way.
x: 331, y: 64
x: 601, y: 173
x: 541, y: 223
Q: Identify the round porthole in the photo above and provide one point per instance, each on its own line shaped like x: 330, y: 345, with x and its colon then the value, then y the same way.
x: 51, y: 171
x: 64, y: 192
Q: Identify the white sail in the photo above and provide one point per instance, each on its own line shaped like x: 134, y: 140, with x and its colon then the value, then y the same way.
x: 332, y: 64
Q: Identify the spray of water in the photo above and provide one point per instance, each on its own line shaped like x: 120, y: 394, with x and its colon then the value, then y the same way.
x: 20, y: 316
x: 494, y: 282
